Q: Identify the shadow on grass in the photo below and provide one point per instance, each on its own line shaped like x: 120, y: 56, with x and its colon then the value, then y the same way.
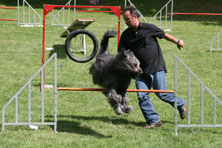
x: 75, y: 127
x: 60, y: 50
x: 200, y: 130
x: 112, y: 120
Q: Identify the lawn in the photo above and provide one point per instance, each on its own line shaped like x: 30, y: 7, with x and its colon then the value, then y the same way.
x: 85, y: 119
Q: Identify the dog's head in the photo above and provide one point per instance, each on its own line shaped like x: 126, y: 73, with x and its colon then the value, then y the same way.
x: 127, y: 62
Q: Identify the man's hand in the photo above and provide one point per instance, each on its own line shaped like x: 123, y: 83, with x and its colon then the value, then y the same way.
x: 180, y: 44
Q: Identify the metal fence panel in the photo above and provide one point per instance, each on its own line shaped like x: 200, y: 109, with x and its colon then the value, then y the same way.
x: 28, y: 85
x: 203, y: 89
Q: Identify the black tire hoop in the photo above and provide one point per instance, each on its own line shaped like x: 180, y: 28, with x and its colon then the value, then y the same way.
x: 68, y: 46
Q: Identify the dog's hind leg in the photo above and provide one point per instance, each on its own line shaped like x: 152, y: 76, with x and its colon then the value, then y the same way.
x: 115, y: 100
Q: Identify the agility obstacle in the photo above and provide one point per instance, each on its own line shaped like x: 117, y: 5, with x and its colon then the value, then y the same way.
x: 64, y: 18
x: 78, y: 24
x: 13, y: 8
x: 29, y: 17
x: 100, y: 89
x: 180, y: 13
x: 26, y: 17
x: 162, y: 18
x: 189, y: 124
x: 48, y: 8
x: 61, y: 18
x: 8, y: 7
x: 61, y: 14
x: 215, y: 43
x: 30, y: 122
x: 8, y: 20
x: 15, y: 99
x: 201, y: 114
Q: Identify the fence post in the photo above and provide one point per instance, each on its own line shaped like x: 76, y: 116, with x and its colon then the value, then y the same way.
x: 175, y: 92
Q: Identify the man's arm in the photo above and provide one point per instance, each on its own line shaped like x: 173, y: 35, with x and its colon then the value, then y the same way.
x: 173, y: 39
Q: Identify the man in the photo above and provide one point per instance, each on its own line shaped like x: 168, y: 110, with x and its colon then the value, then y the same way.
x: 141, y: 38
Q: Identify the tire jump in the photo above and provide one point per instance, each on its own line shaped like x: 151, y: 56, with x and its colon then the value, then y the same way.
x: 73, y: 55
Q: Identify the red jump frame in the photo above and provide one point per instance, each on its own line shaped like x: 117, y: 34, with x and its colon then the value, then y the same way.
x: 48, y: 8
x: 8, y: 19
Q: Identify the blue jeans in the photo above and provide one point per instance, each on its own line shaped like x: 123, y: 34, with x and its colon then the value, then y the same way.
x: 156, y: 81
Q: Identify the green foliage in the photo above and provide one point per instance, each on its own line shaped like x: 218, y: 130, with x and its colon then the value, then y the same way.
x: 85, y: 119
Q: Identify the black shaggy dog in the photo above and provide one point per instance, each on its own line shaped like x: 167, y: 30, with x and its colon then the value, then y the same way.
x: 114, y: 74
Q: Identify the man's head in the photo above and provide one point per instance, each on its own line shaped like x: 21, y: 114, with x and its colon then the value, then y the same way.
x: 131, y: 17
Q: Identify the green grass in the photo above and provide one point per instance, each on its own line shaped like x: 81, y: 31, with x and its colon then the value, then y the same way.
x: 85, y: 119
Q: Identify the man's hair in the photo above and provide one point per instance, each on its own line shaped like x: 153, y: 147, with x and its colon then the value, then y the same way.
x: 133, y: 11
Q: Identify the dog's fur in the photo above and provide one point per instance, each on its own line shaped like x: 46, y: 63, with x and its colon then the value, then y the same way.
x: 114, y: 74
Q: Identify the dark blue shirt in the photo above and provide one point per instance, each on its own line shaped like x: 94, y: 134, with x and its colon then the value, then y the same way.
x: 143, y: 42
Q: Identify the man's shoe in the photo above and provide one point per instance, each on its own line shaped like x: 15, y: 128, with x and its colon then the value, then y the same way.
x: 154, y: 125
x: 183, y: 113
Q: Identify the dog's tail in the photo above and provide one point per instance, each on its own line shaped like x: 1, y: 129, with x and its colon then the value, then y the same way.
x: 105, y: 41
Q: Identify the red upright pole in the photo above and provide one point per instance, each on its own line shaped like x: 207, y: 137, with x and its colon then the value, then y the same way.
x: 43, y: 40
x: 43, y: 45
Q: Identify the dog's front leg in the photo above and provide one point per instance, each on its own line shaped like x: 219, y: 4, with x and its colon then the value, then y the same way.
x: 126, y: 107
x: 115, y: 100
